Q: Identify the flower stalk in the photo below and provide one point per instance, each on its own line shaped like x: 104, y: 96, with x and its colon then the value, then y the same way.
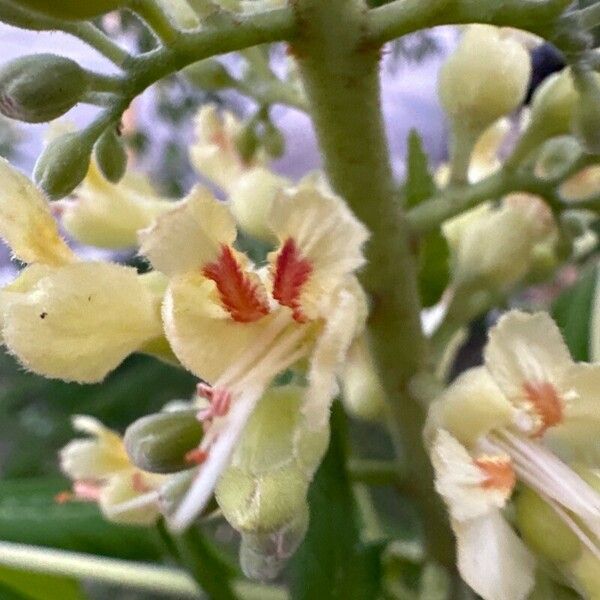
x: 339, y: 67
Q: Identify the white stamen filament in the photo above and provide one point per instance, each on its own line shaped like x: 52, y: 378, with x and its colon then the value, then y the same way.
x: 137, y: 503
x: 555, y: 481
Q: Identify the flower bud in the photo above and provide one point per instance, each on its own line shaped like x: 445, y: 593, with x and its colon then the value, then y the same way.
x: 111, y: 156
x: 586, y: 113
x: 484, y: 79
x: 363, y: 394
x: 557, y: 155
x: 158, y: 443
x: 251, y: 199
x: 63, y: 164
x: 40, y: 87
x: 263, y: 555
x: 552, y: 110
x: 247, y: 142
x: 209, y: 75
x: 263, y: 492
x: 494, y: 246
x: 73, y: 10
x: 17, y: 16
x: 586, y: 572
x: 543, y: 530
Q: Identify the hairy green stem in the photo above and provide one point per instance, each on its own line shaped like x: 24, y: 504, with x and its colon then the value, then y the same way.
x: 340, y: 70
x: 95, y: 38
x: 376, y: 472
x: 400, y: 17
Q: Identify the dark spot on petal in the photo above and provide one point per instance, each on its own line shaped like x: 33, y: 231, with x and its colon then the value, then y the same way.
x: 43, y: 315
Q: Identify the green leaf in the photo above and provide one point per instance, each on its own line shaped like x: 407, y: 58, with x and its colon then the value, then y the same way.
x: 332, y: 564
x: 419, y: 182
x: 27, y: 585
x: 572, y: 311
x: 29, y: 514
x: 434, y: 267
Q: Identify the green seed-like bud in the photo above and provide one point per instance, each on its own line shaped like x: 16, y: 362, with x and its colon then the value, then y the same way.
x: 263, y: 555
x: 63, y: 164
x: 41, y: 87
x: 72, y: 10
x: 209, y: 75
x: 111, y: 156
x: 543, y: 530
x: 247, y: 141
x: 557, y: 155
x: 586, y: 114
x: 158, y: 443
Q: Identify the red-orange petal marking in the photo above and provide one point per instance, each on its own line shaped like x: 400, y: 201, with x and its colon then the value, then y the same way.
x: 291, y: 273
x: 238, y: 293
x: 498, y: 472
x: 546, y: 403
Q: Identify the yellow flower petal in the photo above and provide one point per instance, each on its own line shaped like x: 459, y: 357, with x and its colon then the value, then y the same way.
x: 321, y: 243
x: 79, y: 322
x: 201, y: 332
x: 26, y: 223
x: 190, y: 235
x: 97, y: 457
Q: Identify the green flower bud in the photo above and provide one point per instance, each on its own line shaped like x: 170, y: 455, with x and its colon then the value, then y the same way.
x: 586, y: 113
x: 19, y: 17
x: 543, y: 530
x: 41, y: 87
x: 263, y: 556
x: 247, y: 141
x: 158, y: 443
x: 111, y: 156
x: 209, y: 75
x: 557, y: 155
x: 73, y: 10
x: 552, y: 110
x: 251, y: 199
x: 63, y: 164
x: 586, y: 572
x: 263, y: 492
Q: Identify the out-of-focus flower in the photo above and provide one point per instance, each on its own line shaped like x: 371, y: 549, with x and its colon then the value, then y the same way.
x: 237, y: 327
x: 495, y: 246
x: 102, y: 473
x: 502, y: 423
x: 110, y: 215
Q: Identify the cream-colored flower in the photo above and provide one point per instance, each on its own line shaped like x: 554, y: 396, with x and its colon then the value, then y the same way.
x: 102, y: 472
x: 236, y: 326
x: 497, y: 245
x: 215, y: 154
x: 109, y: 215
x: 525, y: 405
x: 491, y: 558
x: 60, y: 317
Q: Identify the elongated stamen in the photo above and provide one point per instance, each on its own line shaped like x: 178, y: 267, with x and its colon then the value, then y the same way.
x: 546, y: 474
x: 149, y: 499
x: 255, y: 350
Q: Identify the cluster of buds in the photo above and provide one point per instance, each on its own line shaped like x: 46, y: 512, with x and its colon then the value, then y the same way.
x: 525, y: 424
x: 234, y: 324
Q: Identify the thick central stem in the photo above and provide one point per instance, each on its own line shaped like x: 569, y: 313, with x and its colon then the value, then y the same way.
x: 340, y: 70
